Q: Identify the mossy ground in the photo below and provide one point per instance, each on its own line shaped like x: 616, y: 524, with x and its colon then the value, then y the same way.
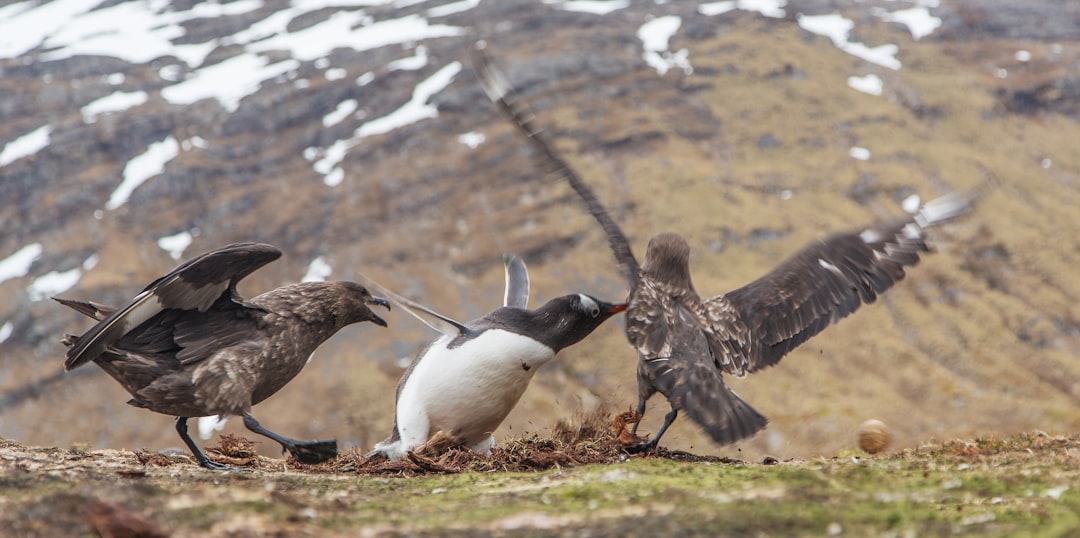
x: 1024, y: 485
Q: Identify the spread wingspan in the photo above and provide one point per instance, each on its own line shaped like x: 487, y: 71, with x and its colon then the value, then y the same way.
x: 754, y: 326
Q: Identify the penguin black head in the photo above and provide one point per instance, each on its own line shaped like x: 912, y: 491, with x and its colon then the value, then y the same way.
x: 565, y: 321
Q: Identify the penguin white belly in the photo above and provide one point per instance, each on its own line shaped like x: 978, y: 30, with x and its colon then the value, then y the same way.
x: 468, y: 390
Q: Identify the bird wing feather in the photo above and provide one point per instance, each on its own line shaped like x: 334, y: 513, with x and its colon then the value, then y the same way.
x: 87, y: 308
x: 502, y: 93
x: 757, y: 324
x: 194, y: 285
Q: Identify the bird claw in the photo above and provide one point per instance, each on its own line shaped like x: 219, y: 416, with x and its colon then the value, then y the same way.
x: 641, y: 448
x: 215, y: 466
x: 311, y: 452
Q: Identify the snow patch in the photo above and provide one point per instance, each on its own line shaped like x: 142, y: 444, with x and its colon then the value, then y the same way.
x: 24, y: 25
x: 171, y: 73
x: 228, y: 81
x: 57, y: 282
x: 353, y: 30
x: 412, y: 63
x: 335, y: 177
x: 471, y: 139
x: 861, y: 154
x: 595, y: 7
x: 5, y: 331
x: 918, y: 20
x: 135, y: 31
x: 176, y: 244
x: 114, y: 102
x: 26, y: 145
x: 341, y: 112
x: 654, y: 36
x: 417, y: 108
x: 194, y: 142
x: 768, y: 8
x: 452, y: 8
x: 717, y: 8
x: 18, y: 264
x: 143, y: 167
x: 326, y: 161
x: 837, y: 28
x: 331, y: 157
x: 871, y: 84
x: 53, y: 283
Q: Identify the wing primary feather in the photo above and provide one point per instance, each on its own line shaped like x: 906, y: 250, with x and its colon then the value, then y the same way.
x: 87, y: 308
x: 427, y: 316
x: 112, y: 328
x: 947, y: 207
x: 501, y: 92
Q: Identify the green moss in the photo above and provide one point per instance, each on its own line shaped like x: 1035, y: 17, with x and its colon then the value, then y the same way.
x: 1014, y: 486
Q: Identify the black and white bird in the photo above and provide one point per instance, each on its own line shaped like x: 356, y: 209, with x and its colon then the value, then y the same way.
x: 467, y: 381
x: 686, y: 342
x: 190, y: 346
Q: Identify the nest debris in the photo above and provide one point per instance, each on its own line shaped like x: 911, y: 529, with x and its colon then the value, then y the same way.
x: 600, y: 437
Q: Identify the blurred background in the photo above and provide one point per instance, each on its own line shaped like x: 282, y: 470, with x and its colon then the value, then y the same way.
x: 353, y: 135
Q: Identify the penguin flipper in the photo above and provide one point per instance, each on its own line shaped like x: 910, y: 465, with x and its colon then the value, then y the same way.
x: 517, y: 282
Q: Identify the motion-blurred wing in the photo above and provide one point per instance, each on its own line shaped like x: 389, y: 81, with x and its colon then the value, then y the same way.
x: 501, y: 92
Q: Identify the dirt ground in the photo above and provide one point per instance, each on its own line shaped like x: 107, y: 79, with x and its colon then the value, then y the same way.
x: 579, y: 481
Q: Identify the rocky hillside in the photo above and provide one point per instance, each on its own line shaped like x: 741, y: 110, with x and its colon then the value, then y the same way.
x: 353, y: 135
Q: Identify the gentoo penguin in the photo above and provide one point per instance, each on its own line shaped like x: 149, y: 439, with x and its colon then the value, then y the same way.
x: 685, y: 342
x: 189, y: 345
x: 466, y: 382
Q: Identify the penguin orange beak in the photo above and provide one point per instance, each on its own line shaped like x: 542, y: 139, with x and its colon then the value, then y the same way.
x: 616, y: 308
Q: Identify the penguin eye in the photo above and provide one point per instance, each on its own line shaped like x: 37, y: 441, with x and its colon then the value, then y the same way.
x: 586, y: 305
